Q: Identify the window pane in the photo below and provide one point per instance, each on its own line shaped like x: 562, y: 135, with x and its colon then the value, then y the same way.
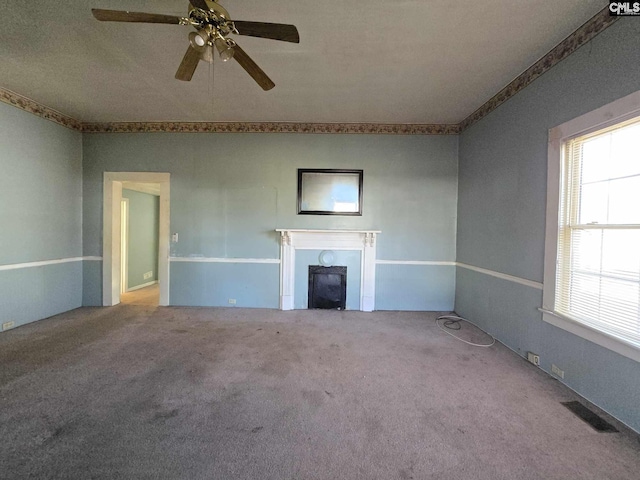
x: 624, y: 200
x: 619, y: 305
x: 584, y: 296
x: 613, y: 154
x: 625, y: 155
x: 621, y: 253
x: 587, y: 248
x: 594, y: 200
x: 595, y: 159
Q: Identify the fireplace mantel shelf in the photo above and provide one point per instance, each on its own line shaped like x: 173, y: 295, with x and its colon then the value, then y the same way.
x: 304, y: 239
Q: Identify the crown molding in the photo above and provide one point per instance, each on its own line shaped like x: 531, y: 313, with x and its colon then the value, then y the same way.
x: 271, y: 127
x: 594, y: 26
x: 42, y: 111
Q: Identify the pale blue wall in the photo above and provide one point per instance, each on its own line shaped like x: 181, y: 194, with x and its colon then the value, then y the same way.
x: 40, y: 216
x: 213, y: 284
x: 415, y: 287
x: 91, y: 283
x: 501, y: 223
x: 144, y: 217
x: 230, y: 191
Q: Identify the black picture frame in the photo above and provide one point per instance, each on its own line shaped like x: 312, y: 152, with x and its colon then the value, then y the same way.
x: 329, y: 191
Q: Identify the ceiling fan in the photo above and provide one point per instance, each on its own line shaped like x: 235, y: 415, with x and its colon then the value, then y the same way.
x: 212, y: 25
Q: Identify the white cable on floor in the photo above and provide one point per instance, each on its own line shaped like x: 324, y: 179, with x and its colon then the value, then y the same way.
x: 454, y: 319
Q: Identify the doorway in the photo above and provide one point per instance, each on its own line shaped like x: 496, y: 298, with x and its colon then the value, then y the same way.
x: 113, y: 282
x: 139, y: 246
x: 124, y: 245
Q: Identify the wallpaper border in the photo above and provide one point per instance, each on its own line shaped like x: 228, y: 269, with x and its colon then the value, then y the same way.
x: 42, y: 111
x: 592, y: 27
x: 271, y: 127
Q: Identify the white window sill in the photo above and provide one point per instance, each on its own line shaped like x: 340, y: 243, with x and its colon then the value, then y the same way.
x: 591, y: 334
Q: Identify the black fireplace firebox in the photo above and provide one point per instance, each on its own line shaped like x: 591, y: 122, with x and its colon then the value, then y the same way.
x: 327, y: 287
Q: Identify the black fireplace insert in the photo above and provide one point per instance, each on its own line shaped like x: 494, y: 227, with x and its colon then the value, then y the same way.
x: 327, y: 287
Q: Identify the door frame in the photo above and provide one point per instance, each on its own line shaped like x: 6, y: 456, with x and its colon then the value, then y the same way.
x: 124, y: 245
x: 111, y: 238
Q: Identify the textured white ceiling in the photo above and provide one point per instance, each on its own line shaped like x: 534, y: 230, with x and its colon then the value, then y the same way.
x: 429, y: 61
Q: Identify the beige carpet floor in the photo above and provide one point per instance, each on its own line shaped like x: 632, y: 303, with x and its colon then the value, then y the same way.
x: 140, y: 392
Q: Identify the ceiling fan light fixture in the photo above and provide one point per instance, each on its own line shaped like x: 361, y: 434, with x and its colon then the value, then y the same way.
x: 199, y: 40
x: 225, y: 48
x: 207, y: 54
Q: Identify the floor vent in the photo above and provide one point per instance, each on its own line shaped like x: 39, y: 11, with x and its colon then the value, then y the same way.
x: 597, y: 422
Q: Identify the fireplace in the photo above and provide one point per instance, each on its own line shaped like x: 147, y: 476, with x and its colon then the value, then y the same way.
x: 327, y: 287
x: 364, y: 241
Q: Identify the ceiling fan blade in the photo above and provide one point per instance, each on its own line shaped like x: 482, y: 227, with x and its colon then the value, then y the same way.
x: 252, y: 69
x: 188, y: 65
x: 201, y: 4
x: 121, y: 16
x: 274, y: 31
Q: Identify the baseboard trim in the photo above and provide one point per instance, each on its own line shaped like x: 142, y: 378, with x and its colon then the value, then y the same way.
x: 144, y: 285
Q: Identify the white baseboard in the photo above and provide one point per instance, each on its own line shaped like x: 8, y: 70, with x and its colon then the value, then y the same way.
x: 144, y: 285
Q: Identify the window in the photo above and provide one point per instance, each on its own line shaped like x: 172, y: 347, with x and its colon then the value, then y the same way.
x: 592, y: 258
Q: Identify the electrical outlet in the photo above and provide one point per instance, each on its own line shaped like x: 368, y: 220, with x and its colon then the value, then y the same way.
x: 8, y: 325
x: 148, y: 275
x: 232, y: 301
x: 556, y: 371
x: 533, y: 358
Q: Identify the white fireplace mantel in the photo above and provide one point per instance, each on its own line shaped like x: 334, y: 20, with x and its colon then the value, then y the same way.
x: 292, y: 239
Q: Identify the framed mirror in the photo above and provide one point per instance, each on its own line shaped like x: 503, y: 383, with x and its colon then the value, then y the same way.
x: 329, y: 192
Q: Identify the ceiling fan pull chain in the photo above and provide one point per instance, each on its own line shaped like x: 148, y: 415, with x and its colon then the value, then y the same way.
x: 211, y: 80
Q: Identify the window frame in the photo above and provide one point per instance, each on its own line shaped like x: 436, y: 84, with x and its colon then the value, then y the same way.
x: 611, y: 114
